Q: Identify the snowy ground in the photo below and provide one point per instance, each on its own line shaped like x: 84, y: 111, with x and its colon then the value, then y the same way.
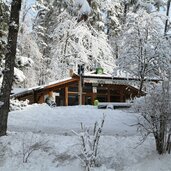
x: 62, y: 120
x: 52, y: 127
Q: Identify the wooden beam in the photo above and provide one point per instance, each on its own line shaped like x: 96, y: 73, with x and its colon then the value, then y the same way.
x: 66, y: 96
x: 108, y: 93
x: 61, y: 83
x: 94, y: 96
x: 80, y: 89
x: 71, y: 92
x: 35, y: 96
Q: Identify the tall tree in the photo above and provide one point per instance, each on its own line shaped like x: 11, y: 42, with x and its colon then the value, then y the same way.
x: 144, y: 52
x: 9, y: 65
x: 42, y: 29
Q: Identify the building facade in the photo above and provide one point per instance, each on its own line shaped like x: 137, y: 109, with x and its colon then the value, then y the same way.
x: 84, y: 90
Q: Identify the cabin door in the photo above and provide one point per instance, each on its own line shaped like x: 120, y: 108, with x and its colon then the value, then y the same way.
x: 88, y: 100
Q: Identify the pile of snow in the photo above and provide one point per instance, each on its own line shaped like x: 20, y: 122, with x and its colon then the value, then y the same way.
x: 23, y: 61
x: 15, y: 104
x: 85, y: 7
x: 18, y: 75
x: 62, y: 120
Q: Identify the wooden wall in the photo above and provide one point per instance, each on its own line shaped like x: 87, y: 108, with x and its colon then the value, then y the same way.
x: 69, y: 92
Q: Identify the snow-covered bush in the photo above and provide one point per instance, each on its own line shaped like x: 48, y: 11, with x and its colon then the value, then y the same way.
x: 31, y: 145
x: 155, y: 116
x: 138, y: 104
x: 89, y: 144
x: 22, y: 61
x: 18, y: 105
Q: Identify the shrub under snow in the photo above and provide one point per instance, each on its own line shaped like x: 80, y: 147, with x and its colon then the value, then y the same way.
x: 155, y: 116
x: 17, y: 105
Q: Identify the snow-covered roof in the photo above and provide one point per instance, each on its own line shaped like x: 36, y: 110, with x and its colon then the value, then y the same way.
x: 118, y: 74
x: 94, y: 74
x: 18, y: 90
x: 29, y: 90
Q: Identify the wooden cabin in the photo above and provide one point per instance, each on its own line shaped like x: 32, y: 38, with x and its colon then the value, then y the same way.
x: 83, y: 90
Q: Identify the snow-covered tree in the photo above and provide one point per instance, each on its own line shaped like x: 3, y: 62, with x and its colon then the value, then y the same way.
x: 63, y: 40
x: 42, y: 28
x: 9, y: 65
x: 29, y: 61
x: 84, y: 9
x: 21, y: 59
x: 155, y: 116
x: 77, y: 43
x: 144, y: 51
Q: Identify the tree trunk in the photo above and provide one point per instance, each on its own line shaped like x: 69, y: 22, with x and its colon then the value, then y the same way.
x: 125, y: 12
x: 159, y: 146
x: 9, y: 65
x: 167, y: 14
x: 140, y: 87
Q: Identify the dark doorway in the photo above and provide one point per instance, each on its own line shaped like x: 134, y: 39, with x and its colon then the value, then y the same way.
x: 102, y: 98
x: 115, y: 98
x: 88, y: 100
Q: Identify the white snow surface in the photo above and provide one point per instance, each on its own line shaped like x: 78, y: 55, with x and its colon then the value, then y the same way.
x: 118, y: 150
x: 18, y: 75
x: 85, y: 8
x: 62, y: 120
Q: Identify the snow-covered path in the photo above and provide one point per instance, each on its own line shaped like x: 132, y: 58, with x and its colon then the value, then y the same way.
x: 61, y: 120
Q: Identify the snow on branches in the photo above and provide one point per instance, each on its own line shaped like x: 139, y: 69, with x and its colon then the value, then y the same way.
x: 89, y: 144
x: 155, y: 116
x: 77, y: 43
x: 144, y: 51
x: 84, y: 9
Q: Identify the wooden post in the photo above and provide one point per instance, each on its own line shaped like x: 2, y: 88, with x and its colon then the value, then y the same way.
x: 66, y: 96
x: 80, y: 72
x: 80, y: 90
x: 108, y: 93
x: 34, y: 96
x: 122, y: 96
x: 41, y: 99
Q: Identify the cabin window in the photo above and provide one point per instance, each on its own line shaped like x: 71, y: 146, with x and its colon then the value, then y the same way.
x: 73, y: 89
x: 87, y: 89
x: 73, y: 100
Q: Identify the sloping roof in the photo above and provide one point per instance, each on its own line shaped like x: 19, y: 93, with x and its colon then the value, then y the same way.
x: 117, y: 76
x: 46, y: 86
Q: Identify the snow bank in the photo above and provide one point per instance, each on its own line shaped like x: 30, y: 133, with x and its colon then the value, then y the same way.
x: 61, y: 120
